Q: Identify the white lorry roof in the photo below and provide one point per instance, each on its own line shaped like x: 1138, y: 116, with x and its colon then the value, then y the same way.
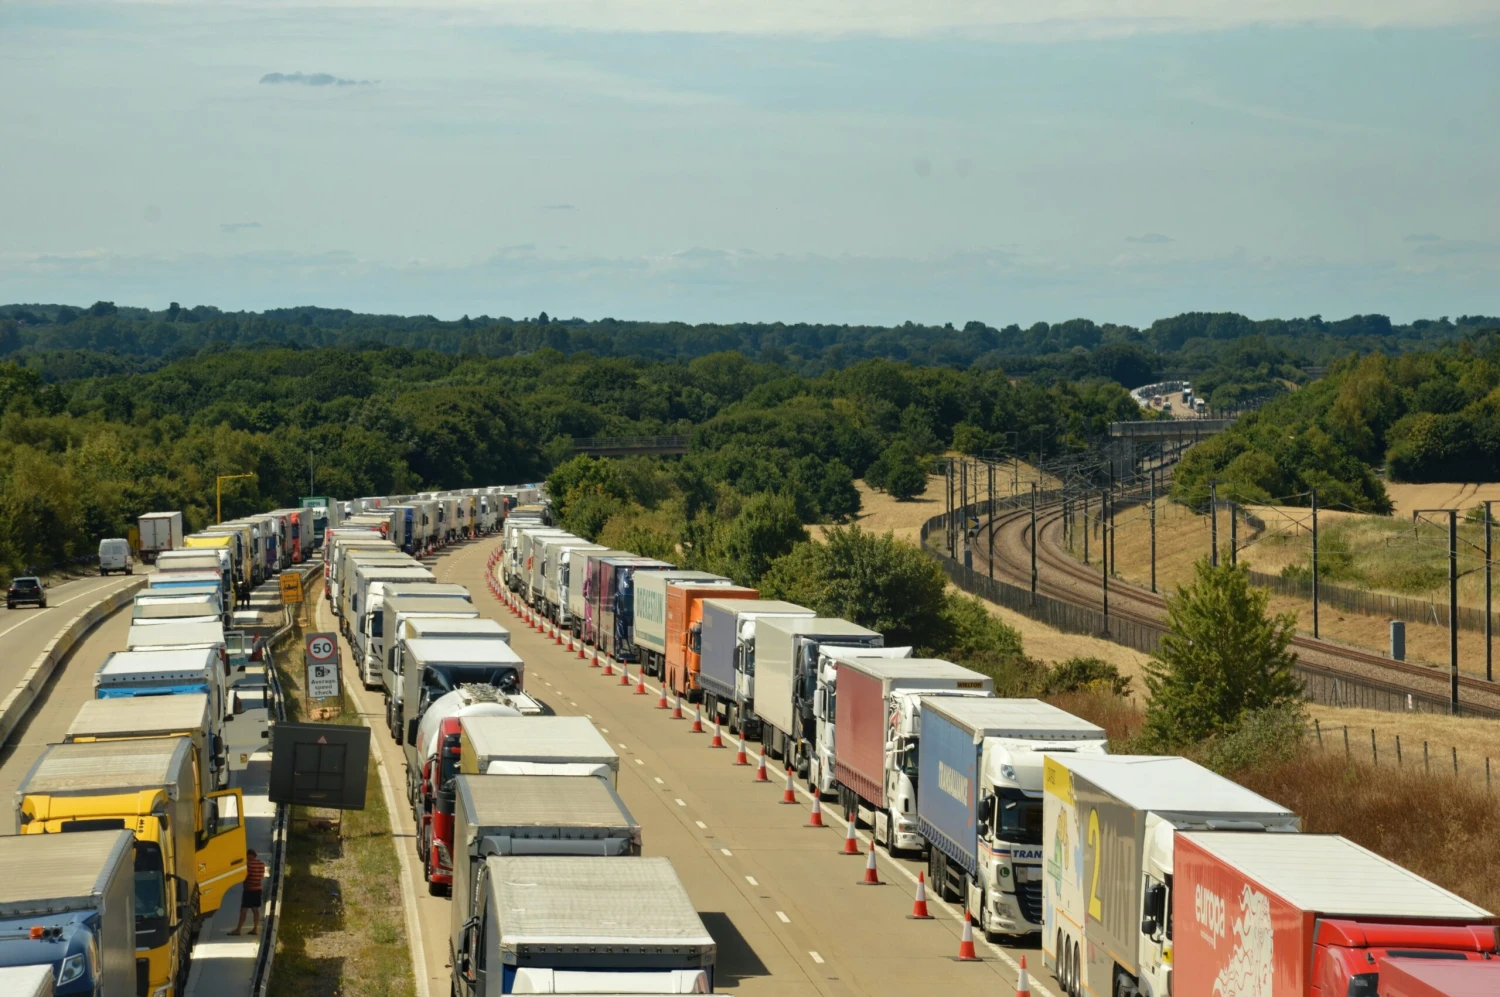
x: 115, y: 766
x: 629, y: 901
x: 541, y: 801
x: 760, y: 607
x: 1168, y: 784
x: 1031, y: 719
x: 174, y: 632
x: 564, y: 739
x: 910, y: 668
x: 57, y: 872
x: 149, y: 663
x: 447, y: 624
x: 1331, y: 875
x: 150, y: 714
x: 444, y: 651
x: 184, y: 577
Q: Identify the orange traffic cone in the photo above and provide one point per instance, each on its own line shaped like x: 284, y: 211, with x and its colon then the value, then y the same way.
x: 676, y: 705
x: 624, y: 675
x: 872, y: 876
x: 609, y: 668
x: 661, y: 701
x: 697, y: 727
x: 556, y: 636
x: 919, y: 905
x: 740, y: 758
x: 717, y: 742
x: 581, y: 655
x: 640, y: 686
x: 966, y: 951
x: 570, y: 640
x: 760, y: 772
x: 815, y: 817
x: 851, y: 843
x: 789, y: 794
x: 1023, y: 982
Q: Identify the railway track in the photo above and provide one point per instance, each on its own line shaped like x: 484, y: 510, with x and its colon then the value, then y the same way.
x: 1062, y: 576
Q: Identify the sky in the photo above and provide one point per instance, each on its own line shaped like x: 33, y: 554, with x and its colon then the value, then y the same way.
x: 862, y: 161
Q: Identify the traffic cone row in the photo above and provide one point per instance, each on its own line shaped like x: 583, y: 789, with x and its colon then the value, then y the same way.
x: 740, y: 758
x: 851, y: 843
x: 718, y: 741
x: 789, y: 794
x: 760, y: 772
x: 815, y: 816
x: 697, y: 727
x: 919, y: 905
x: 966, y: 951
x: 872, y: 875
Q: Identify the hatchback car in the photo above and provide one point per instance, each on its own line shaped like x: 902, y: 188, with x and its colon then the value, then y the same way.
x: 26, y: 589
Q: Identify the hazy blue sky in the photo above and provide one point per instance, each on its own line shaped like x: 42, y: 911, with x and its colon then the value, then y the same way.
x: 830, y: 160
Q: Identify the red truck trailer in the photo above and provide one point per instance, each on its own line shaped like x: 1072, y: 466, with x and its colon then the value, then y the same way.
x: 1439, y: 978
x: 1306, y: 915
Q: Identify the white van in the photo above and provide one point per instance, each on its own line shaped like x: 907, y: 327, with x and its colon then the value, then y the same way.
x: 114, y: 555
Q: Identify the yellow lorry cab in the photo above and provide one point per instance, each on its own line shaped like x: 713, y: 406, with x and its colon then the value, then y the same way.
x: 149, y: 786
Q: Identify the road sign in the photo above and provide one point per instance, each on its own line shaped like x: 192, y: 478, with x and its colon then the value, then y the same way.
x: 322, y: 651
x: 320, y: 765
x: 291, y: 587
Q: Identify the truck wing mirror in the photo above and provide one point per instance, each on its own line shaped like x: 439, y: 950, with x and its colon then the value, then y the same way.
x: 1149, y: 926
x: 411, y: 731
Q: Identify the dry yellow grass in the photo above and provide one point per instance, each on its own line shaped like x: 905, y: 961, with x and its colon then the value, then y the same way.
x: 1439, y: 495
x: 1476, y: 739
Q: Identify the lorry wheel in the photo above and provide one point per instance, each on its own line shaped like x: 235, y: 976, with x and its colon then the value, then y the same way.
x: 1077, y: 972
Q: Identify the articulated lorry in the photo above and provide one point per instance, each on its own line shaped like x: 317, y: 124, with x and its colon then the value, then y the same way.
x: 557, y: 582
x: 879, y: 730
x: 822, y: 777
x: 528, y: 815
x: 979, y: 801
x: 159, y: 605
x: 67, y: 902
x: 549, y: 745
x: 545, y: 557
x: 156, y: 675
x: 1109, y: 832
x: 727, y: 659
x: 187, y: 715
x: 159, y: 531
x: 189, y: 847
x: 786, y: 680
x: 387, y: 602
x: 428, y: 626
x: 616, y: 609
x: 649, y: 612
x: 581, y: 603
x: 581, y: 924
x: 684, y: 631
x: 1300, y: 914
x: 326, y: 513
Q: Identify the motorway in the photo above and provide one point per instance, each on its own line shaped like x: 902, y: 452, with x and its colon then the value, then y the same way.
x: 1062, y: 576
x: 780, y: 901
x: 25, y: 630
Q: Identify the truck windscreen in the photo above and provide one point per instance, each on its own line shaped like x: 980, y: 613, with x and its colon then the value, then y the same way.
x: 1020, y: 817
x: 441, y: 679
x: 150, y: 896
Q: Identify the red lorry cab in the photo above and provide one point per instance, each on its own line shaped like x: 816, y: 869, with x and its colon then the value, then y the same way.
x: 1439, y: 978
x: 1307, y: 915
x: 437, y: 807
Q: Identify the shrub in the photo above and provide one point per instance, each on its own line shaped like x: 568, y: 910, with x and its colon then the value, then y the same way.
x: 1087, y: 674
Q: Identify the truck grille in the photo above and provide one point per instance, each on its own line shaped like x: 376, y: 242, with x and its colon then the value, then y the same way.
x: 1029, y: 896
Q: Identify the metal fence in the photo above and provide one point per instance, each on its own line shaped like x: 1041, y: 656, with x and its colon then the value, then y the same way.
x: 1397, y: 607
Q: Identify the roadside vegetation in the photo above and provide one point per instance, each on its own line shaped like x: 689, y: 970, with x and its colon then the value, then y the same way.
x: 342, y: 931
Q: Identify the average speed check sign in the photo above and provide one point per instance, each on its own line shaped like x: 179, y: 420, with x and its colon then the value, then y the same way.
x: 322, y: 666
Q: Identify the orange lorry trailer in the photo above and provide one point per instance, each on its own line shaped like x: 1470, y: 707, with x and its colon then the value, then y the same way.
x: 685, y: 631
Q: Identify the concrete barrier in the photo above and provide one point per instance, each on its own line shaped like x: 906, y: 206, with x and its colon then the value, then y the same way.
x: 14, y: 707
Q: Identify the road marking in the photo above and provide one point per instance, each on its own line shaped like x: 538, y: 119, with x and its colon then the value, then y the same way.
x: 727, y: 852
x: 639, y: 762
x: 658, y: 781
x: 53, y: 605
x: 701, y: 826
x: 784, y: 918
x: 571, y: 703
x: 620, y: 743
x: 751, y: 881
x: 604, y: 729
x: 589, y: 716
x: 816, y: 958
x: 681, y: 804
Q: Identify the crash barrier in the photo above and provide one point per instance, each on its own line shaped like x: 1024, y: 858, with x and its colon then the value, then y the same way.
x: 16, y: 705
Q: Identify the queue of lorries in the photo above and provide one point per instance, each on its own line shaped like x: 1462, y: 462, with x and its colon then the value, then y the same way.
x: 518, y: 816
x: 1142, y: 875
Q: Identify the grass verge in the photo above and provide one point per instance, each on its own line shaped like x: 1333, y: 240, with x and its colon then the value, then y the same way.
x: 342, y: 931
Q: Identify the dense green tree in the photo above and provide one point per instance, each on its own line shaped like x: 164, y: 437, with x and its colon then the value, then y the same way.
x: 767, y: 527
x: 1223, y: 656
x: 905, y: 475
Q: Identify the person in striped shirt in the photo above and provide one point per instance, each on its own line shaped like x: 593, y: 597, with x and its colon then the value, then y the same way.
x: 255, y: 874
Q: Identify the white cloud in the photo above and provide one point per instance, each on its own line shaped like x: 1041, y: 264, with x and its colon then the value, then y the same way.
x: 1010, y: 19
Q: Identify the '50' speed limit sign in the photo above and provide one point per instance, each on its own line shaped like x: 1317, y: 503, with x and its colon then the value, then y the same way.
x: 322, y: 666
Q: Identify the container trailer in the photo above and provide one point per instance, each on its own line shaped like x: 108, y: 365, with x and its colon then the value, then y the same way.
x: 786, y: 679
x: 159, y: 531
x: 822, y: 778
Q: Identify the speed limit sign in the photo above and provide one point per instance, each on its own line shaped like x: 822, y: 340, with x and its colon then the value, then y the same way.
x: 322, y: 666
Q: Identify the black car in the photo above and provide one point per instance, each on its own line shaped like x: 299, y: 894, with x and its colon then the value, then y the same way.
x: 26, y: 589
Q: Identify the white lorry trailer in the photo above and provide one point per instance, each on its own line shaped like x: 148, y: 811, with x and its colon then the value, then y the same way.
x: 822, y: 778
x: 786, y: 679
x: 535, y: 746
x: 572, y: 924
x: 159, y: 531
x: 979, y: 801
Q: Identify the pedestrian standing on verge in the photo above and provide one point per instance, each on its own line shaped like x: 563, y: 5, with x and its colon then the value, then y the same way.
x: 255, y: 874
